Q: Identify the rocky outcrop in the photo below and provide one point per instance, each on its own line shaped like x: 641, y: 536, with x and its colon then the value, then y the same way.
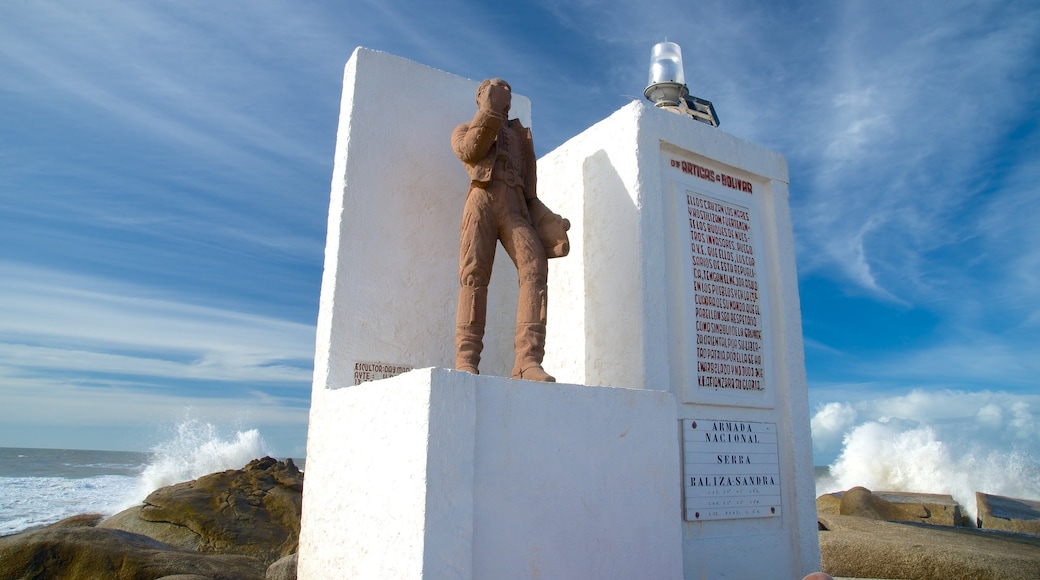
x: 73, y: 549
x: 867, y: 548
x: 1005, y: 513
x: 284, y: 569
x: 925, y: 508
x: 253, y: 511
x: 227, y: 525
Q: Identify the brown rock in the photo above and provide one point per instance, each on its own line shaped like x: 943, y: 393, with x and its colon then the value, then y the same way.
x: 861, y: 502
x: 284, y: 569
x: 129, y: 520
x: 253, y: 511
x: 997, y: 512
x: 78, y: 521
x: 829, y: 503
x: 926, y: 508
x: 61, y: 552
x: 865, y: 548
x: 940, y: 509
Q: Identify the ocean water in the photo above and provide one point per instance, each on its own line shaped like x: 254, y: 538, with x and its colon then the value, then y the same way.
x: 42, y: 486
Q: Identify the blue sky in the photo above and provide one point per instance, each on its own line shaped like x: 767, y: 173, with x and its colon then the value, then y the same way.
x: 165, y: 170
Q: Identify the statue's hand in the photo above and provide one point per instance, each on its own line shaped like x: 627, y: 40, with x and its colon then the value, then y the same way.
x: 499, y: 98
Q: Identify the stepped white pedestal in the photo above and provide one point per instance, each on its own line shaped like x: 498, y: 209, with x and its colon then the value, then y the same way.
x: 443, y: 474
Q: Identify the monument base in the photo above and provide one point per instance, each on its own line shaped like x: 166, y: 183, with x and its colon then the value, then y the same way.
x: 442, y: 474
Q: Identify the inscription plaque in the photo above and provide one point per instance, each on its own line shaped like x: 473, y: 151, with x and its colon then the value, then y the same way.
x: 728, y: 315
x: 373, y: 371
x: 731, y: 470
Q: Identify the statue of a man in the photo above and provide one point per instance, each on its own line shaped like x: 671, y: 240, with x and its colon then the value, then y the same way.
x: 502, y: 205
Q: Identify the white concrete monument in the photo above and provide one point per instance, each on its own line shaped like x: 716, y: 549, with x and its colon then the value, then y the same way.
x: 682, y: 278
x: 438, y: 473
x: 676, y: 443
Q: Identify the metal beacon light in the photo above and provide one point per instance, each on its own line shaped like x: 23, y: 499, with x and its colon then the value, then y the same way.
x: 666, y: 87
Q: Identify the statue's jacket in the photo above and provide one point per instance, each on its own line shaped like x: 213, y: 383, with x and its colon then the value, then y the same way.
x: 475, y: 144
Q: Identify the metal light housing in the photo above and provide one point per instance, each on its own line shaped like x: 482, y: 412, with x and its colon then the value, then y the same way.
x: 667, y: 86
x: 667, y: 83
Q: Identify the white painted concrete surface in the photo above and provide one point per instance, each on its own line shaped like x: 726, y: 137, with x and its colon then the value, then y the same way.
x: 390, y: 286
x: 450, y: 475
x: 622, y: 304
x: 442, y: 474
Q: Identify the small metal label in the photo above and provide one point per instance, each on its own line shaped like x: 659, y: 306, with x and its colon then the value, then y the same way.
x: 731, y: 470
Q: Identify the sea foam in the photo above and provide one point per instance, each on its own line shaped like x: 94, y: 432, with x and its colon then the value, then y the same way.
x: 892, y: 455
x: 57, y: 488
x: 198, y: 448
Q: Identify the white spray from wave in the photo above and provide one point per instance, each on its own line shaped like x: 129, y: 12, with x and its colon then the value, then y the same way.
x: 198, y: 448
x: 900, y: 455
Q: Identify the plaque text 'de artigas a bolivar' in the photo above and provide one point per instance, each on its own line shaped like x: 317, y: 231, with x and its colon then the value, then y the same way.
x: 731, y: 470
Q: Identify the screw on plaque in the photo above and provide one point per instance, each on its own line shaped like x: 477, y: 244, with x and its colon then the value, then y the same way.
x: 697, y: 515
x: 772, y: 510
x: 693, y: 425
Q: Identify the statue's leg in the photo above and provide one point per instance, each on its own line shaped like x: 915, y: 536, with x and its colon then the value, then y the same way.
x: 526, y: 249
x: 469, y: 328
x: 476, y: 255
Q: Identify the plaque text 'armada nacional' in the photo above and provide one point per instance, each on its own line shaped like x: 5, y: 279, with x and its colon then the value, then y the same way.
x: 731, y: 470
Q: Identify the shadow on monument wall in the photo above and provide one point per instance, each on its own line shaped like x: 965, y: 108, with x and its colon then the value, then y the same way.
x: 610, y: 238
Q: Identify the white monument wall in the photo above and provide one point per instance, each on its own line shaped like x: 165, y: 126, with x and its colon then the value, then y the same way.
x: 682, y: 278
x: 390, y: 287
x: 437, y: 473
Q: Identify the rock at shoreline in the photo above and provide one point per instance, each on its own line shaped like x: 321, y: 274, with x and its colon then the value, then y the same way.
x: 253, y: 511
x: 866, y: 534
x: 284, y: 569
x: 928, y: 508
x: 858, y: 547
x: 72, y: 548
x: 1005, y: 513
x: 228, y: 525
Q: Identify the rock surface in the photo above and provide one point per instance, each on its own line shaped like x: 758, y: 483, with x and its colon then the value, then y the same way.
x: 867, y: 548
x: 926, y: 508
x: 253, y: 511
x: 1004, y: 513
x: 284, y: 569
x: 73, y: 550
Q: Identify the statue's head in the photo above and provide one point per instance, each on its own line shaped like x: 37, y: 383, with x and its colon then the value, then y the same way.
x: 500, y: 84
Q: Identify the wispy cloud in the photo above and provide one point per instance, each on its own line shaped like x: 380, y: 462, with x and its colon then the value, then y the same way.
x: 978, y: 360
x: 237, y: 367
x: 48, y: 402
x: 54, y: 320
x: 902, y: 144
x: 81, y: 352
x: 153, y: 70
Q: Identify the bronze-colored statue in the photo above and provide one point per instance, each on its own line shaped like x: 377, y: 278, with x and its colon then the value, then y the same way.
x: 502, y: 204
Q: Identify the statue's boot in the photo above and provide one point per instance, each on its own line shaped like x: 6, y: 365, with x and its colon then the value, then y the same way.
x: 469, y: 328
x: 529, y: 344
